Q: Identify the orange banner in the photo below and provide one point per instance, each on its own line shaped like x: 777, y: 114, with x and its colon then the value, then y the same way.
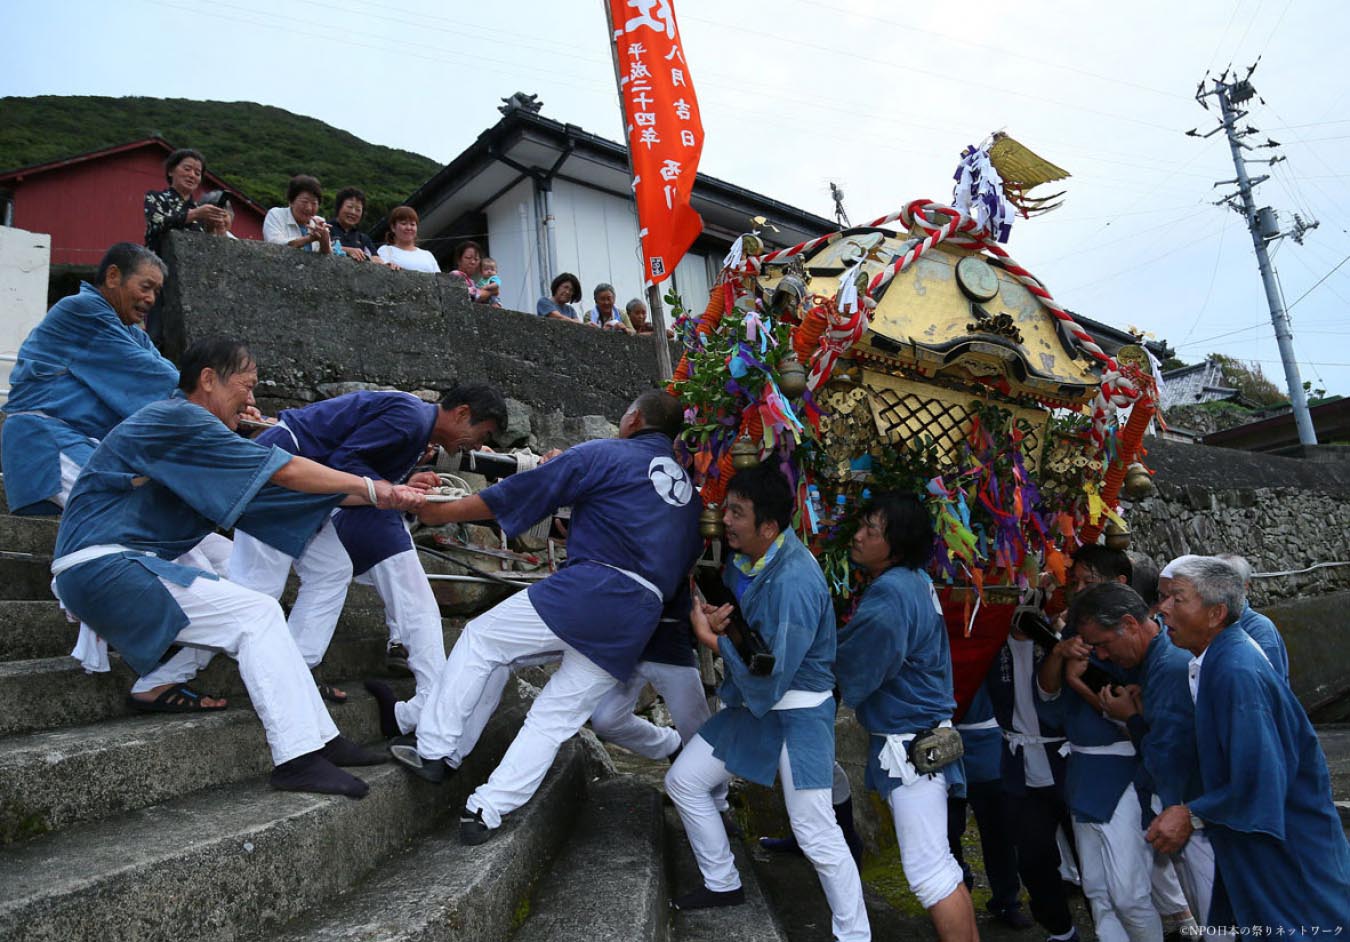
x: 663, y: 129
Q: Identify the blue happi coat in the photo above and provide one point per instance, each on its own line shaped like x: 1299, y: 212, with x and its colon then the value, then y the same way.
x: 1263, y: 631
x: 894, y: 667
x: 157, y: 484
x: 1165, y: 733
x: 788, y: 603
x: 1093, y: 784
x: 998, y: 683
x: 79, y: 373
x: 983, y: 758
x: 1279, y: 846
x: 633, y: 508
x: 372, y: 434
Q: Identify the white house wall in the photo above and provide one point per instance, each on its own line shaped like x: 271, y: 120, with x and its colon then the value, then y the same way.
x: 597, y: 240
x: 511, y: 226
x: 25, y: 258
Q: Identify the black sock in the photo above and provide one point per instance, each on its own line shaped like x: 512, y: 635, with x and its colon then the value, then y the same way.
x: 384, y: 696
x: 313, y: 773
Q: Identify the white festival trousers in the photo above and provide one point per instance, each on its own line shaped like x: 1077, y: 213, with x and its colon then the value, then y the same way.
x: 250, y: 628
x: 414, y: 619
x: 1116, y: 865
x: 919, y: 810
x: 1168, y: 898
x: 691, y: 782
x: 212, y: 554
x: 1195, y: 870
x: 477, y: 669
x: 679, y: 686
x: 324, y: 569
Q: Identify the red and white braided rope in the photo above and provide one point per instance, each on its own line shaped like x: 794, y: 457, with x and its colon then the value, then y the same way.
x: 941, y: 223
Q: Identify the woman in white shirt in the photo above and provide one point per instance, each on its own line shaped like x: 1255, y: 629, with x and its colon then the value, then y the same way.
x: 402, y: 252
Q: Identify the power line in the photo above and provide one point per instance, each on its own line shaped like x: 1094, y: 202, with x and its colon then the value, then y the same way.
x: 1318, y: 282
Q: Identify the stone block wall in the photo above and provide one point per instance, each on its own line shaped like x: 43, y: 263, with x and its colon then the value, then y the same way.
x: 1281, y: 513
x: 313, y: 321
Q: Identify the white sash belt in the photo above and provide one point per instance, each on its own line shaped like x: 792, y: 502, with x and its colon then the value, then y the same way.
x: 1122, y: 748
x: 1018, y: 741
x: 290, y: 433
x: 991, y: 723
x: 71, y: 560
x: 894, y: 756
x: 636, y: 578
x: 802, y: 699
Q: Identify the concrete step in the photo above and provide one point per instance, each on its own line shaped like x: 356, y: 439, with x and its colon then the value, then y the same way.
x: 53, y: 780
x: 34, y: 629
x: 752, y: 922
x: 37, y: 627
x: 35, y: 535
x: 55, y: 692
x: 610, y: 882
x: 225, y: 862
x: 25, y: 576
x: 442, y: 890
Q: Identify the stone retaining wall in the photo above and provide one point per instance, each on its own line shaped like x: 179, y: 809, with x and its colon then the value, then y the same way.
x: 320, y: 326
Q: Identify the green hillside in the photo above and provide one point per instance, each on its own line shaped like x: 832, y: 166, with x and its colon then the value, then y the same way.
x: 255, y: 147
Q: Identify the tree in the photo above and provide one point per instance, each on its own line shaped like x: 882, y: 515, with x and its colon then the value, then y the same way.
x: 1249, y: 380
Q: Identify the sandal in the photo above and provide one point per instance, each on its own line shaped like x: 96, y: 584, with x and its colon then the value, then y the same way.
x: 177, y: 699
x: 330, y: 693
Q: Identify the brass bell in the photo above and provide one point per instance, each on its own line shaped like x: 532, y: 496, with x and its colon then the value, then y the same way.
x: 751, y: 244
x: 791, y: 377
x: 1117, y: 536
x: 744, y: 453
x: 1138, y: 482
x: 710, y: 522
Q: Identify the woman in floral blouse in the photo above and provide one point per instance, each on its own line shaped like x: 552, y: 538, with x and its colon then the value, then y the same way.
x: 174, y: 207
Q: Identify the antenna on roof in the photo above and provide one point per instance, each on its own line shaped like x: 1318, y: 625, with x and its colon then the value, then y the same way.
x: 840, y: 217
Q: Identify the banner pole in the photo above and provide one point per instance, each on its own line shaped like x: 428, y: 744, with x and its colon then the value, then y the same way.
x: 654, y: 308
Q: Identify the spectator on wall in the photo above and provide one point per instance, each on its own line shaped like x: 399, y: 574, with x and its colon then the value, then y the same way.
x: 401, y: 250
x: 636, y: 310
x: 174, y: 207
x: 219, y: 226
x: 488, y: 284
x: 605, y: 314
x: 348, y: 208
x: 468, y: 259
x: 298, y: 224
x: 565, y: 288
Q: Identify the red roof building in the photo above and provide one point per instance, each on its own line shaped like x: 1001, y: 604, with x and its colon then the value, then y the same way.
x: 90, y: 201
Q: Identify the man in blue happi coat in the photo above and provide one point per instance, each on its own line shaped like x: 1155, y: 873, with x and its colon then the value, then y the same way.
x: 1279, y: 848
x: 778, y: 725
x: 1032, y: 779
x: 383, y: 436
x: 1115, y: 864
x: 1114, y: 861
x: 153, y: 488
x: 894, y: 668
x: 632, y: 540
x: 1261, y: 629
x: 87, y: 366
x: 1155, y: 706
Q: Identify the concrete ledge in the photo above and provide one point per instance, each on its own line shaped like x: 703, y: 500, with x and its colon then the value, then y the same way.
x: 25, y: 577
x: 34, y: 629
x: 610, y: 883
x: 35, y: 535
x: 442, y: 890
x: 54, y: 692
x: 753, y: 922
x: 1319, y: 649
x: 53, y: 780
x: 241, y: 859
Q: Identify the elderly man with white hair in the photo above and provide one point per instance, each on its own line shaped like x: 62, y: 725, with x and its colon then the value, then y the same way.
x: 1281, y: 854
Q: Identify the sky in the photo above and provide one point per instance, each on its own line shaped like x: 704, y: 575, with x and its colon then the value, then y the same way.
x: 878, y: 97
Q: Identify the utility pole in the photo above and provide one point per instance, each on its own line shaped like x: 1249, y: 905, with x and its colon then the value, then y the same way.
x: 1231, y: 93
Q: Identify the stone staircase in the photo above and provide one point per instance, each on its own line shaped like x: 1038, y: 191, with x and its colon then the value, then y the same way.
x: 119, y: 826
